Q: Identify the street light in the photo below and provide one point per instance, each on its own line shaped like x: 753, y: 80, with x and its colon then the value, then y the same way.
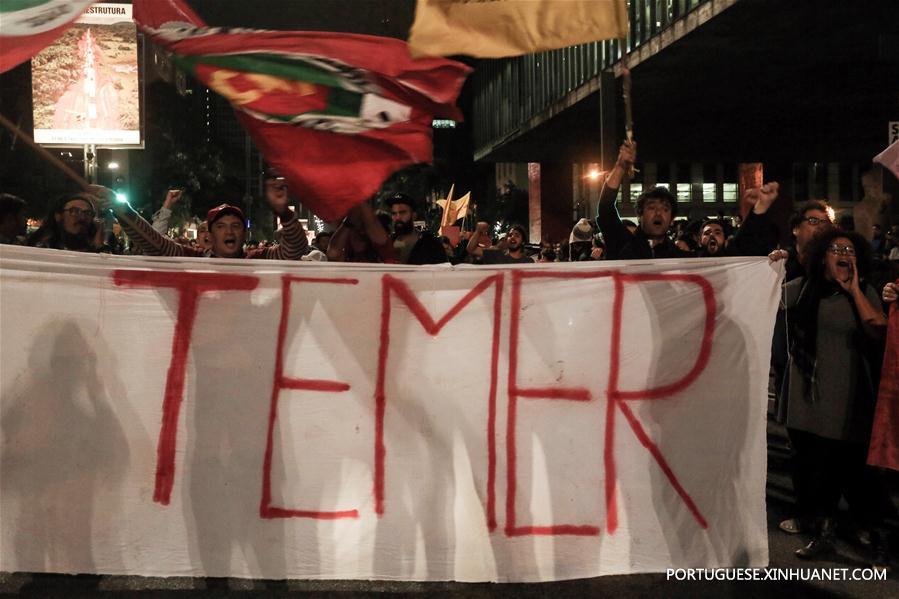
x: 112, y: 166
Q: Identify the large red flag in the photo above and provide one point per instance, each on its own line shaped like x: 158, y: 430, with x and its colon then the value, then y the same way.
x: 884, y: 448
x: 29, y: 26
x: 336, y: 113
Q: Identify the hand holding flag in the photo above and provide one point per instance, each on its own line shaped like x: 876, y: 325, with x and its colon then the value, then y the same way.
x: 453, y: 210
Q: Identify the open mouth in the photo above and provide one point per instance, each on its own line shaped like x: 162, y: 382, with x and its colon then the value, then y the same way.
x: 843, y: 263
x: 230, y: 243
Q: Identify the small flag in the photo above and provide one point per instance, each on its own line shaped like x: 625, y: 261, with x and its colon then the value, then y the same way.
x: 335, y: 113
x: 497, y: 28
x: 453, y: 210
x: 889, y: 159
x: 29, y: 26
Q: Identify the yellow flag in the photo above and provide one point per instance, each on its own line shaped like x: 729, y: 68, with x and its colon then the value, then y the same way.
x: 496, y: 28
x: 453, y: 210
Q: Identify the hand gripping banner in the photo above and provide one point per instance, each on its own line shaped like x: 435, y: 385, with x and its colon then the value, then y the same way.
x: 184, y: 417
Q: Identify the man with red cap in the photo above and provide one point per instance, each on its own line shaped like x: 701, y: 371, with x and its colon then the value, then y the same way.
x: 227, y: 231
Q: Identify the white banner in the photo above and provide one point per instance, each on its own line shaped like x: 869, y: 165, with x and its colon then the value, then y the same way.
x: 311, y: 420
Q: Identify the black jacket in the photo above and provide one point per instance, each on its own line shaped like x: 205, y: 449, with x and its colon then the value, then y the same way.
x: 427, y: 250
x: 757, y: 236
x: 621, y: 244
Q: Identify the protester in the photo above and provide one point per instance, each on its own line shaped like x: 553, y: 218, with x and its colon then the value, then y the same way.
x: 712, y: 239
x: 513, y: 253
x: 411, y: 246
x: 809, y: 220
x: 13, y: 225
x: 580, y: 241
x: 656, y: 207
x: 203, y: 240
x: 227, y: 231
x: 361, y: 237
x: 162, y: 216
x: 321, y: 241
x: 835, y: 324
x: 69, y: 225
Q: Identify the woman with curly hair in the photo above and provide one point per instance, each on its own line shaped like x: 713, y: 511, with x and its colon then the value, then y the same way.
x: 836, y: 327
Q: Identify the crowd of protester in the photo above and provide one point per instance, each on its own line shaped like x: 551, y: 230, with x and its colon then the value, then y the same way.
x: 828, y: 342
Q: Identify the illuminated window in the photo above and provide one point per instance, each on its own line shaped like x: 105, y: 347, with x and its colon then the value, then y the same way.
x: 636, y: 190
x: 708, y: 192
x: 730, y: 192
x: 683, y: 192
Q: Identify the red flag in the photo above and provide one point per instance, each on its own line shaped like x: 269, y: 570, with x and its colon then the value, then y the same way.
x: 29, y: 26
x: 884, y: 448
x: 336, y: 113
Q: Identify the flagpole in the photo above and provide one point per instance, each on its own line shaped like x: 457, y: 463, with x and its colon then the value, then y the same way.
x: 53, y: 160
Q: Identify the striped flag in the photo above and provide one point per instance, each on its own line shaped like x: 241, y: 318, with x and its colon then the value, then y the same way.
x: 29, y: 26
x: 497, y: 28
x: 336, y: 113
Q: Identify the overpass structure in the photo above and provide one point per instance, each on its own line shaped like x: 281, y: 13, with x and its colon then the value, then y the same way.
x: 808, y: 88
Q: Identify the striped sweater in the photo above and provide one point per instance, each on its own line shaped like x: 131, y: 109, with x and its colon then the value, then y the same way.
x: 293, y: 241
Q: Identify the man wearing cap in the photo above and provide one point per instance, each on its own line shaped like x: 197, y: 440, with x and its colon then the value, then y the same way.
x: 580, y: 242
x: 227, y: 231
x: 513, y: 254
x: 411, y: 246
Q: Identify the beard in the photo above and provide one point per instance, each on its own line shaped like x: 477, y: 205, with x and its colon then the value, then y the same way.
x: 76, y: 242
x: 402, y: 227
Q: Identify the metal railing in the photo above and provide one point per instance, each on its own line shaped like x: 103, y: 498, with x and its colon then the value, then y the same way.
x: 508, y: 92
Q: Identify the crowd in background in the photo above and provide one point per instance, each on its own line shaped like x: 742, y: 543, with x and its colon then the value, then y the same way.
x: 828, y: 343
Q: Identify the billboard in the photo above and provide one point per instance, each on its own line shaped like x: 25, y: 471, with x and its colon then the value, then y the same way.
x: 85, y: 87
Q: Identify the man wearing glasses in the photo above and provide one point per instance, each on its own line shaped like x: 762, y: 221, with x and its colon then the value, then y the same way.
x: 811, y: 219
x: 69, y: 226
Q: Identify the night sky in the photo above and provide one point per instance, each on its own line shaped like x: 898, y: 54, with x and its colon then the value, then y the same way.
x: 389, y: 18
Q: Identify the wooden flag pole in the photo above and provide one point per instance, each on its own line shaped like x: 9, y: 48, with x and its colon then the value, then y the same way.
x: 53, y: 160
x: 628, y: 105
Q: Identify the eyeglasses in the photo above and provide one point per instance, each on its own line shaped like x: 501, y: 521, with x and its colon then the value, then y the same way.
x: 815, y: 221
x: 841, y: 250
x: 77, y: 212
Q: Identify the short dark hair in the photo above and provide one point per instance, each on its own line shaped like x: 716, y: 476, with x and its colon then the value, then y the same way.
x: 657, y: 193
x: 520, y: 228
x: 10, y: 205
x: 804, y: 208
x: 725, y: 226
